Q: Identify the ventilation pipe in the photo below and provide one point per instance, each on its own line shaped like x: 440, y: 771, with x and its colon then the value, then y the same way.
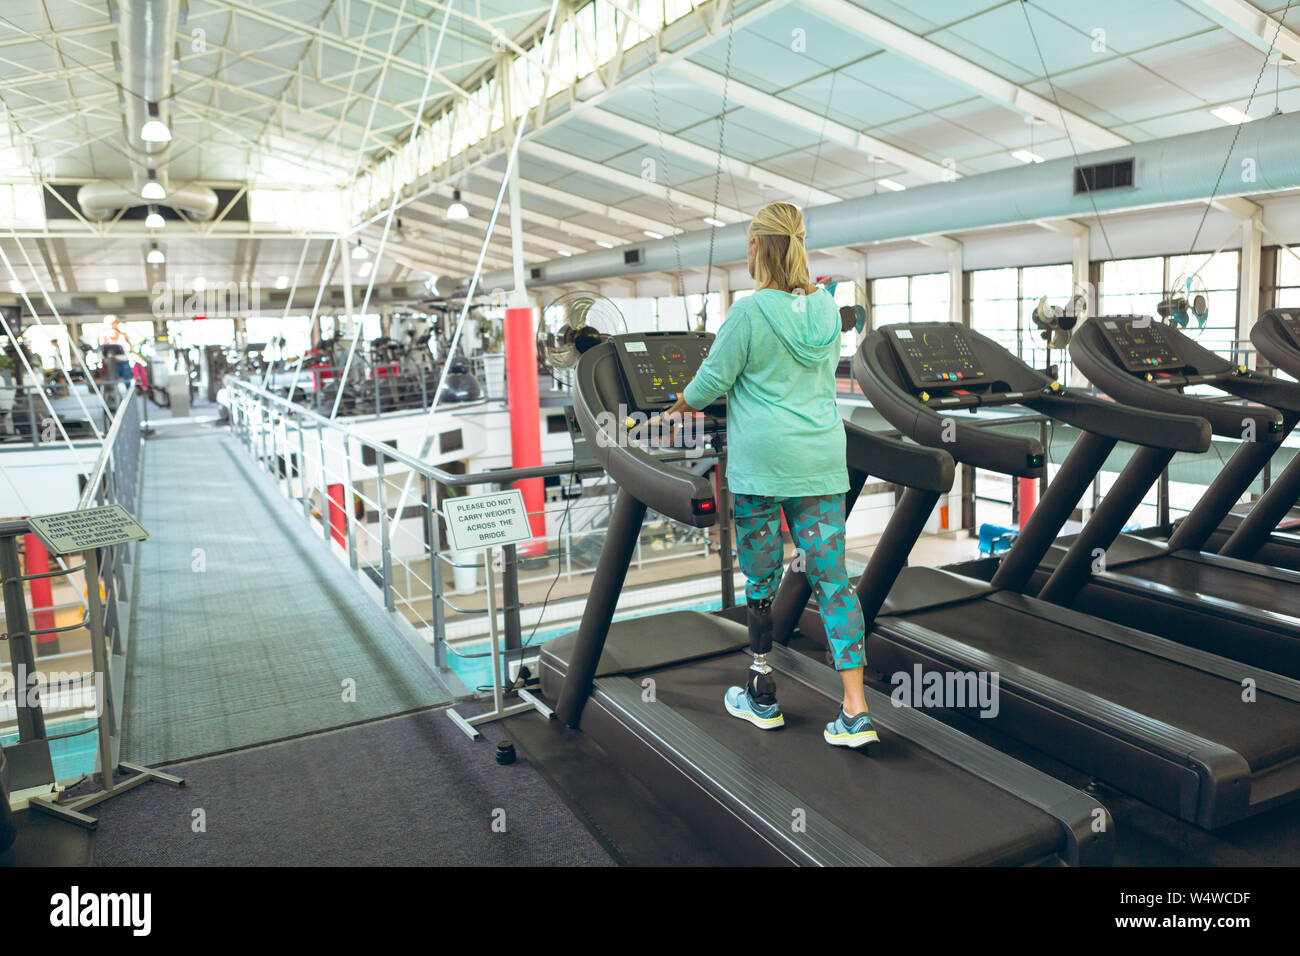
x: 1166, y: 171
x: 146, y: 54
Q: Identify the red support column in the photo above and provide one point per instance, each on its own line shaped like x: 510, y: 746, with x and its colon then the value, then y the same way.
x: 42, y: 594
x: 1028, y: 499
x: 525, y: 419
x: 337, y: 516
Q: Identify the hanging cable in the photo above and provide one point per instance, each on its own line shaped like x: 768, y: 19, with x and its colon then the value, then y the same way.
x: 1237, y: 133
x: 722, y: 142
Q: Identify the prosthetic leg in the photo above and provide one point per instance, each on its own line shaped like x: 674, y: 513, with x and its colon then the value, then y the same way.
x: 761, y: 682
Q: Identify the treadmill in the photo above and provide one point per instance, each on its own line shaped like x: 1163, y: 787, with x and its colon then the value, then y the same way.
x: 1160, y: 720
x: 1268, y: 530
x: 649, y: 690
x: 1224, y: 605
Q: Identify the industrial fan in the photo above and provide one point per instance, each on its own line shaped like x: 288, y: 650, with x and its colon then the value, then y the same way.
x: 571, y: 325
x: 1187, y: 301
x: 1056, y: 322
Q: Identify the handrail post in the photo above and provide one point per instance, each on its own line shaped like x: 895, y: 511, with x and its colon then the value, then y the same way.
x: 385, y: 558
x: 435, y: 577
x: 510, y: 600
x: 324, y: 484
x: 347, y: 502
x: 302, y: 472
x: 22, y: 659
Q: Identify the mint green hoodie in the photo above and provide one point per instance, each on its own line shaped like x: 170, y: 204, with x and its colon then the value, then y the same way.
x: 775, y: 359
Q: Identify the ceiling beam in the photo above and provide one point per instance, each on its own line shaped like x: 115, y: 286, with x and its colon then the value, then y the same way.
x: 940, y: 60
x: 787, y: 112
x: 1251, y: 24
x: 708, y: 158
x: 626, y: 180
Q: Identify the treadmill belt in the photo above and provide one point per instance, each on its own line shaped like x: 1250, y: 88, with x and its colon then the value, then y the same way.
x: 908, y: 805
x: 1253, y: 590
x: 1265, y: 732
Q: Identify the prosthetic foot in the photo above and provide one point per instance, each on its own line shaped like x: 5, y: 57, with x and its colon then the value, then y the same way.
x: 756, y: 701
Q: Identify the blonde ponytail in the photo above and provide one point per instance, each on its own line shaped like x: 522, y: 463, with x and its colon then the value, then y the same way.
x: 781, y: 262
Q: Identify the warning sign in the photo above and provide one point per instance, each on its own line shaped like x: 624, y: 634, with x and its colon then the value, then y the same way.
x: 487, y: 521
x: 70, y: 531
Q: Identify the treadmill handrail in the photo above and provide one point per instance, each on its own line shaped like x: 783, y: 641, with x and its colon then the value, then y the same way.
x: 980, y: 447
x: 896, y: 461
x: 1274, y: 344
x: 670, y: 490
x: 1092, y: 354
x: 1127, y: 423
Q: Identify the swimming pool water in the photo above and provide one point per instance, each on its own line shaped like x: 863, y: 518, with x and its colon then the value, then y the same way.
x: 72, y: 756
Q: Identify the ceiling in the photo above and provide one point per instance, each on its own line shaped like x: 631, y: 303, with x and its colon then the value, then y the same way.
x: 825, y: 99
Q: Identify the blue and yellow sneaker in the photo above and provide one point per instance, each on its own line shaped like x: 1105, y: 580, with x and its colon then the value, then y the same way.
x: 740, y: 704
x: 846, y: 731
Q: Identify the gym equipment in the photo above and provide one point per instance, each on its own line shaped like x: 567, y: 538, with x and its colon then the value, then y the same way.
x: 1157, y: 719
x: 650, y: 689
x: 1227, y: 606
x: 1268, y: 530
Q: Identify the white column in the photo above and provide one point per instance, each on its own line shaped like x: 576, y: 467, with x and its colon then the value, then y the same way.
x: 1248, y: 281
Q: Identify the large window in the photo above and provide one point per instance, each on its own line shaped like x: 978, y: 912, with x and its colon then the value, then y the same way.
x: 1003, y: 301
x: 187, y: 333
x: 921, y: 298
x: 267, y: 329
x: 1136, y: 287
x: 1287, y: 294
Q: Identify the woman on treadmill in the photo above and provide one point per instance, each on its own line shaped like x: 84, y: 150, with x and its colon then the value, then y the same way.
x: 775, y: 359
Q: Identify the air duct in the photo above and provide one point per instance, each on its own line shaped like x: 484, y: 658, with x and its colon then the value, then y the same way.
x: 146, y: 53
x: 1166, y: 171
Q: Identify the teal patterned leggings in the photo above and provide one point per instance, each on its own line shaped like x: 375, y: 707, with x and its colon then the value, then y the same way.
x: 817, y: 526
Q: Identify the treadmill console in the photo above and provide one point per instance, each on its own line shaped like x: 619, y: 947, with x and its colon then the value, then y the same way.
x: 1289, y: 323
x: 1141, y: 343
x: 657, y: 366
x: 936, y: 356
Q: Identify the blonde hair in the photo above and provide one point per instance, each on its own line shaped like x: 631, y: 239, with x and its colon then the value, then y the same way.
x: 781, y: 262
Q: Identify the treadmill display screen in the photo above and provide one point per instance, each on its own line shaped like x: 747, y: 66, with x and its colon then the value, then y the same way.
x: 1289, y: 320
x: 658, y: 366
x: 1141, y: 343
x: 937, y: 355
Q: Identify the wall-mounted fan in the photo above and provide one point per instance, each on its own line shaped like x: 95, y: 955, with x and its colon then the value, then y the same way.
x: 571, y: 325
x: 1186, y: 302
x: 1056, y: 323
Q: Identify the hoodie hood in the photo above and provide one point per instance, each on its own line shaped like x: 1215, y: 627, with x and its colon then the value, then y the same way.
x: 810, y: 333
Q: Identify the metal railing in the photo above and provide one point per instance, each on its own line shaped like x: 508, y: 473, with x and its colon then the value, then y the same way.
x: 349, y: 486
x: 32, y: 634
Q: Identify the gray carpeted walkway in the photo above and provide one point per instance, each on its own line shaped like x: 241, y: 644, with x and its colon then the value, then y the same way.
x: 244, y: 628
x: 410, y: 791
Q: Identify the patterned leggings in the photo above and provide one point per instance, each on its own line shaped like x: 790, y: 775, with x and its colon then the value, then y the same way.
x: 817, y: 526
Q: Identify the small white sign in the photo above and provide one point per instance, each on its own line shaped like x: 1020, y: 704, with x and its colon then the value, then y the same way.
x: 487, y: 521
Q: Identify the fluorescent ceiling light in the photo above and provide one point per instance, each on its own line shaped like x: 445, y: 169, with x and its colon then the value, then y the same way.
x: 653, y: 235
x: 1025, y: 156
x: 604, y: 245
x: 111, y: 285
x: 15, y: 286
x: 155, y: 131
x: 457, y: 209
x: 282, y: 282
x: 714, y: 222
x: 360, y: 251
x: 200, y: 283
x: 154, y: 220
x: 893, y: 186
x: 563, y: 253
x: 155, y: 257
x: 153, y: 190
x: 365, y: 269
x: 1231, y: 115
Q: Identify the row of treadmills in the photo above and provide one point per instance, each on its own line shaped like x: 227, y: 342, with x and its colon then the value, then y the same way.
x: 1164, y: 668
